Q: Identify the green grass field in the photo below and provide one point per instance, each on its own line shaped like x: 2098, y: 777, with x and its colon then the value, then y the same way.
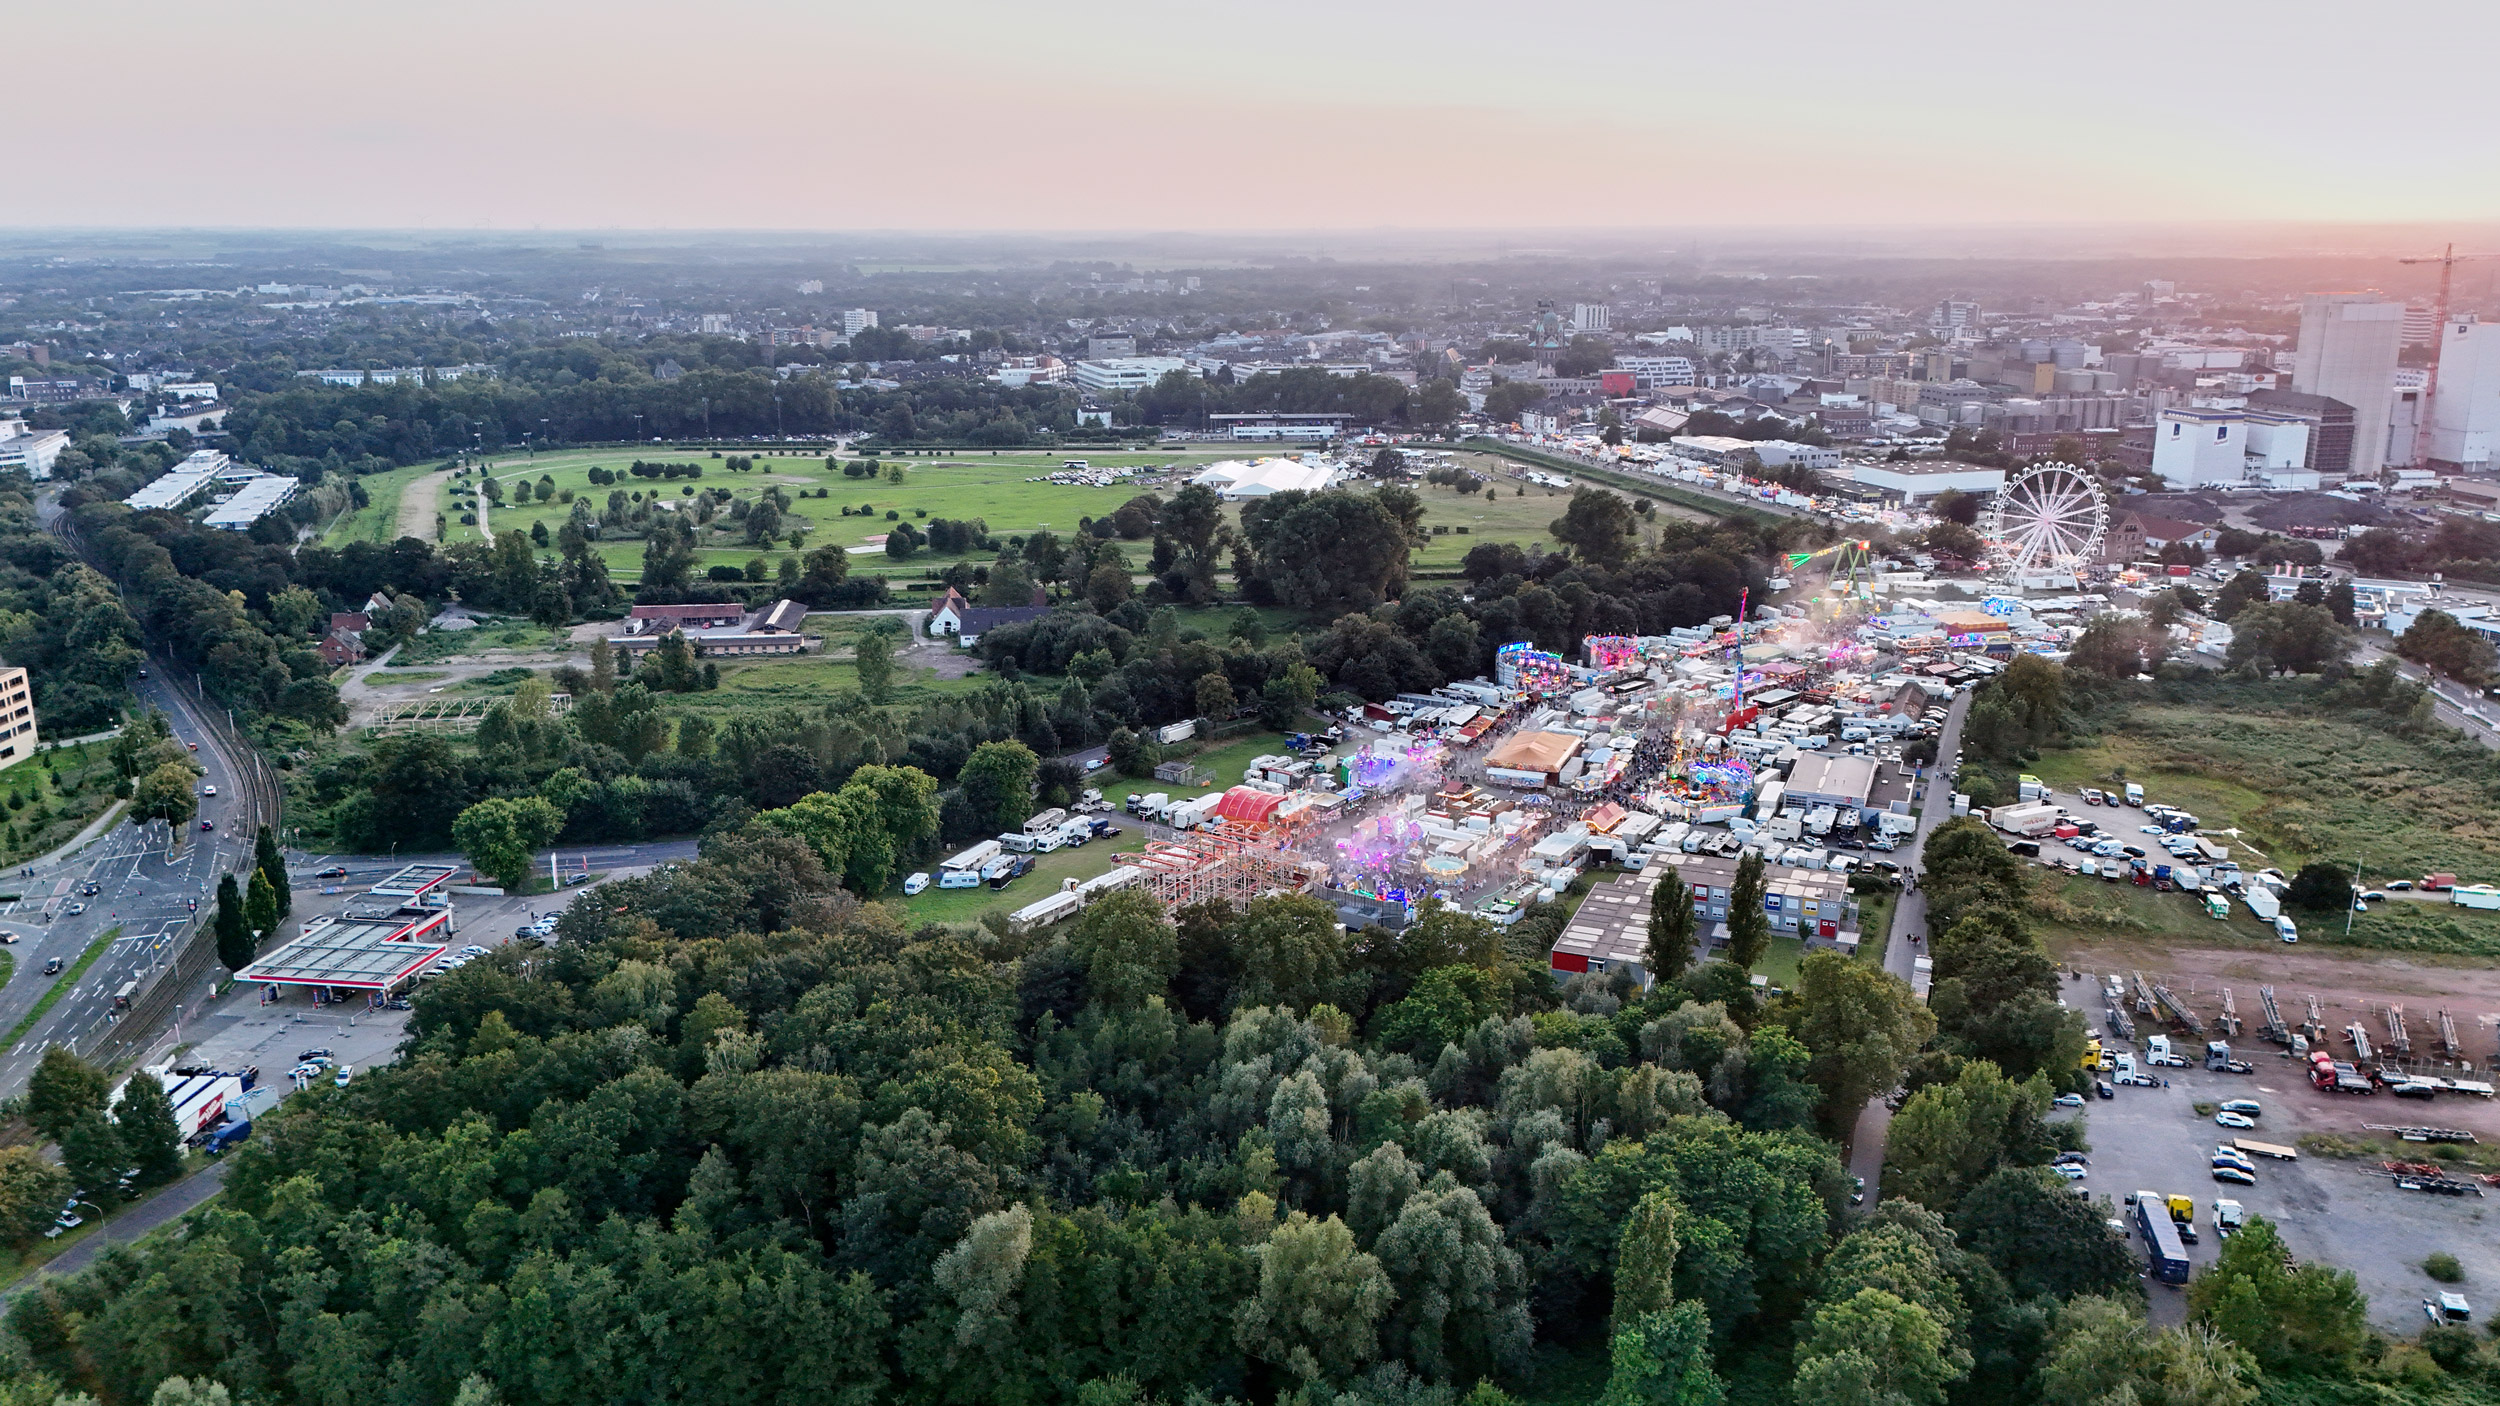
x: 50, y: 797
x: 378, y: 520
x: 2339, y: 789
x: 992, y: 487
x: 1226, y: 760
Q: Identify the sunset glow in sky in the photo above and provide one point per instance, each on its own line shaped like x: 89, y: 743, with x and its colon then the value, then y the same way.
x: 1114, y: 114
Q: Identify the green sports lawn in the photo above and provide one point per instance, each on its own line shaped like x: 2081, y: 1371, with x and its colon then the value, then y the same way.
x: 378, y: 520
x: 992, y: 487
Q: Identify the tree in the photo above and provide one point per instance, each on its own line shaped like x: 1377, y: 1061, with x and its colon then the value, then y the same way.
x: 2244, y: 589
x: 62, y: 1089
x: 1662, y: 1358
x: 144, y: 1124
x: 1863, y: 1024
x: 2437, y: 642
x: 1598, y: 526
x: 1645, y: 1258
x: 873, y: 657
x: 2044, y: 1241
x: 2289, y: 1316
x: 1290, y: 952
x: 1215, y: 697
x: 1503, y: 403
x: 1127, y: 947
x: 501, y: 834
x: 1949, y: 1137
x: 1748, y: 926
x: 31, y: 1192
x: 1672, y: 928
x: 165, y: 793
x: 260, y: 906
x: 270, y: 863
x: 1953, y: 505
x: 1108, y: 583
x: 1319, y: 1300
x: 2291, y: 637
x: 1876, y: 1348
x: 1461, y: 1290
x: 998, y: 781
x: 235, y: 943
x: 2102, y: 1353
x: 2319, y: 887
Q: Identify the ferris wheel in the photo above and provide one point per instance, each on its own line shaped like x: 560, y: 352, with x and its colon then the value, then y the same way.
x: 2050, y: 517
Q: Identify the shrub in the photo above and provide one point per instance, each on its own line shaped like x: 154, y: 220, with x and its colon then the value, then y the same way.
x: 2443, y: 1267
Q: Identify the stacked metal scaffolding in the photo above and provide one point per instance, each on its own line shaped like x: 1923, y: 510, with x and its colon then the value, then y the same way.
x: 2397, y: 1043
x: 2448, y: 1037
x: 2230, y: 1015
x: 1197, y: 867
x: 2276, y: 1030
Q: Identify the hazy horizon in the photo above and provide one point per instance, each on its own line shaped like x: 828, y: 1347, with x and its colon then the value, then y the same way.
x: 763, y: 115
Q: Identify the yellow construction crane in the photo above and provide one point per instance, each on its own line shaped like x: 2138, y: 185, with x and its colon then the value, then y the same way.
x: 2447, y: 259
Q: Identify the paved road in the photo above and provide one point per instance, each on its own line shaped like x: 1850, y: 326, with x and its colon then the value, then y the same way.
x: 163, y: 1207
x: 139, y: 887
x: 1909, y: 917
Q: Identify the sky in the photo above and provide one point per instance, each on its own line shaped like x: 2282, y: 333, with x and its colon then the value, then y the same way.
x: 1287, y: 115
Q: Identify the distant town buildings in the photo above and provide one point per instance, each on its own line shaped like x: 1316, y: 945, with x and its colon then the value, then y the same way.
x: 1592, y: 317
x: 858, y: 320
x: 1108, y: 345
x: 394, y: 375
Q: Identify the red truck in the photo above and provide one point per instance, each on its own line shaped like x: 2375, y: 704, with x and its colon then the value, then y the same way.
x: 2438, y: 883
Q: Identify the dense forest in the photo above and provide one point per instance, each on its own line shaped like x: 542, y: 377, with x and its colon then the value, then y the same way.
x: 740, y: 1136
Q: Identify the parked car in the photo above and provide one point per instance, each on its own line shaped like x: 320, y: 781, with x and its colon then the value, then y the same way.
x: 2070, y: 1100
x: 2400, y: 886
x: 335, y: 871
x: 2245, y: 1107
x: 317, y: 1054
x: 2235, y: 1120
x: 2070, y: 1171
x: 2101, y: 1087
x: 2234, y: 1176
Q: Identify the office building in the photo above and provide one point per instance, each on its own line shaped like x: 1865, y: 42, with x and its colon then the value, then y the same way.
x: 858, y: 320
x: 2329, y: 422
x: 2195, y: 448
x: 1106, y: 346
x: 1126, y: 373
x: 17, y: 718
x: 2348, y: 346
x: 257, y: 498
x: 31, y: 450
x: 1916, y: 480
x: 1592, y: 317
x: 2466, y: 421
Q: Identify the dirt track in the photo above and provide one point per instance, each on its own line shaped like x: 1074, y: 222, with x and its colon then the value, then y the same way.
x: 417, y: 506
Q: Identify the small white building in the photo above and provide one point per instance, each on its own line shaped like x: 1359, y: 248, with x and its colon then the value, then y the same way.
x: 2195, y: 448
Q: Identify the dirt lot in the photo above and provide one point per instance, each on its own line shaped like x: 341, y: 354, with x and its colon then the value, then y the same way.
x: 2332, y: 1210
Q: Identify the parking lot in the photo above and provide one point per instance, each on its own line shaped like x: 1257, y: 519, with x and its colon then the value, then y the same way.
x: 2329, y: 1210
x: 240, y: 1031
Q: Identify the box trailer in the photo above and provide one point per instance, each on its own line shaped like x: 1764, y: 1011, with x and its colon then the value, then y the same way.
x: 1182, y: 731
x: 2263, y: 903
x: 1058, y: 906
x: 972, y: 858
x: 1044, y: 822
x: 2475, y: 896
x: 2164, y: 1255
x: 2030, y: 820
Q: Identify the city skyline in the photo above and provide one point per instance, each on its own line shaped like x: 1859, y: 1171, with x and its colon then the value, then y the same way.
x: 774, y: 116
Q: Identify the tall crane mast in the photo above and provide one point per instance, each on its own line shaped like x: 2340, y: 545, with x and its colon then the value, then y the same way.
x: 2447, y: 259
